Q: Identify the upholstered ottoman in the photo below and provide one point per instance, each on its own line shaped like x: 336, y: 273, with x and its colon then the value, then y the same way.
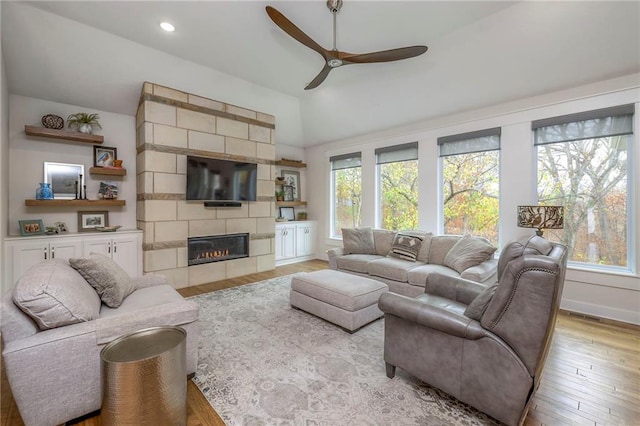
x: 343, y: 299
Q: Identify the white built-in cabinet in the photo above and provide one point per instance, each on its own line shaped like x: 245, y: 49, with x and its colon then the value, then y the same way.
x: 125, y: 247
x: 295, y: 241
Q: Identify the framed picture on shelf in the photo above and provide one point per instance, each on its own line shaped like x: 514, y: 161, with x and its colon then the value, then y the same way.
x: 288, y: 192
x: 31, y: 227
x: 88, y: 221
x: 292, y: 178
x: 108, y: 190
x: 287, y: 213
x: 65, y: 179
x: 104, y: 155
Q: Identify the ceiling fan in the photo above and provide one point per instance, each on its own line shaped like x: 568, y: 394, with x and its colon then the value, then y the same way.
x: 335, y: 58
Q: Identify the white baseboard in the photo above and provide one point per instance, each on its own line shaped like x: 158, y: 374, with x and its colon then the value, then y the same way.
x: 632, y: 317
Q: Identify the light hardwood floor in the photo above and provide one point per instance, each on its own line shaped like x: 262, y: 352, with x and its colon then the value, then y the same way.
x: 592, y: 374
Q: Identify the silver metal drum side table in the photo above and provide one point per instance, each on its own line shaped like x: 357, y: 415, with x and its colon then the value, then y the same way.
x: 144, y: 378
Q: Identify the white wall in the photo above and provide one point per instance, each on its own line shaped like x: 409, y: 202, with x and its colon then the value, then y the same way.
x: 28, y: 154
x: 4, y: 149
x: 604, y: 294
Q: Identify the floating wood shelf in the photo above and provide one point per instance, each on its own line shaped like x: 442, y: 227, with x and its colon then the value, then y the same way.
x: 288, y: 163
x: 107, y: 172
x: 63, y: 135
x: 290, y: 203
x: 65, y: 203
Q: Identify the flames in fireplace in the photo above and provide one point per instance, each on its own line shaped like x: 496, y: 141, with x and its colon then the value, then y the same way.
x: 213, y: 254
x: 217, y: 248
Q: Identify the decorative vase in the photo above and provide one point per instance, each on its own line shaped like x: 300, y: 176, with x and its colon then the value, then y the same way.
x: 85, y: 128
x: 44, y: 192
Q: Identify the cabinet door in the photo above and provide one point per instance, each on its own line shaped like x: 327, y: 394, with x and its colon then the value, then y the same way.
x: 285, y: 242
x: 27, y: 254
x: 124, y: 250
x: 97, y: 245
x: 65, y: 249
x: 305, y: 239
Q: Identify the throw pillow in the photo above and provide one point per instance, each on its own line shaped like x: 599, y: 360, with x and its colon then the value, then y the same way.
x: 358, y: 240
x: 383, y: 240
x: 111, y: 282
x: 468, y: 252
x: 423, y: 254
x: 476, y: 308
x: 406, y: 246
x: 53, y: 294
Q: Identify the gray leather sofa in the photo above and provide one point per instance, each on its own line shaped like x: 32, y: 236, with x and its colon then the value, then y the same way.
x: 52, y: 355
x: 485, y: 346
x: 367, y: 252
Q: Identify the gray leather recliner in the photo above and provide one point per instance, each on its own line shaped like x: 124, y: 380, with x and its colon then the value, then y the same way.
x: 486, y: 346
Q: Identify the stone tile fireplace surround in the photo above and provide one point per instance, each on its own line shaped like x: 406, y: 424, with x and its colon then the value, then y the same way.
x: 172, y: 124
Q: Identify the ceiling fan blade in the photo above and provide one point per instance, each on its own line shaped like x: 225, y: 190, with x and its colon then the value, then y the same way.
x: 319, y: 78
x: 386, y: 55
x: 289, y: 27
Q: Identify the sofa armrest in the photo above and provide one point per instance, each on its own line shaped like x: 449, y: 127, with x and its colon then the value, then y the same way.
x: 424, y: 314
x: 149, y: 280
x: 454, y: 288
x: 173, y: 314
x: 486, y: 272
x: 333, y: 254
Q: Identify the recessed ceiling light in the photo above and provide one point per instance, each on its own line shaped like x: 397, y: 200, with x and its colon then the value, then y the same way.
x: 167, y: 26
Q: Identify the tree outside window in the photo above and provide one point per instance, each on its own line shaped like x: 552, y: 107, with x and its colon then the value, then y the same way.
x: 398, y: 186
x: 347, y: 192
x: 471, y: 183
x: 584, y: 166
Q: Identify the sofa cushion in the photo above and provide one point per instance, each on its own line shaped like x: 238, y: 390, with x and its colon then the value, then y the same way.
x: 358, y: 240
x: 383, y: 239
x: 440, y: 246
x: 391, y: 268
x: 406, y: 246
x: 423, y: 254
x: 111, y: 282
x: 53, y: 294
x: 420, y: 275
x: 356, y: 262
x: 478, y: 305
x: 467, y: 252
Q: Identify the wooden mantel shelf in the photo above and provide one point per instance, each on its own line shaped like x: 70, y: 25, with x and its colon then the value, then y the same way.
x: 108, y: 172
x: 65, y: 203
x: 63, y: 135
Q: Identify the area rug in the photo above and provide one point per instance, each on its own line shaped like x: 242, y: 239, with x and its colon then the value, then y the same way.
x: 262, y: 362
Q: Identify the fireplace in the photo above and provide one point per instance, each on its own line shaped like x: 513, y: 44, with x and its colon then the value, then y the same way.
x: 217, y: 248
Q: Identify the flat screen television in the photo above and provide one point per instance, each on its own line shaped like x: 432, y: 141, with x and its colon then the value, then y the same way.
x: 213, y: 179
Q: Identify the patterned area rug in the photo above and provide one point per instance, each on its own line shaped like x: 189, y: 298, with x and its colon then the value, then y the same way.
x: 262, y: 362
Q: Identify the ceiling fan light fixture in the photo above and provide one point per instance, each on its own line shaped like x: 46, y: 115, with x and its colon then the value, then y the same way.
x: 167, y: 27
x: 334, y: 63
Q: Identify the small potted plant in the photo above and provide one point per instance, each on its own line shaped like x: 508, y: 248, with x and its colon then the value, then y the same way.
x: 279, y: 195
x: 84, y: 122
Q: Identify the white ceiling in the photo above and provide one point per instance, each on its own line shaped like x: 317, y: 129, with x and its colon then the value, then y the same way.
x: 480, y: 53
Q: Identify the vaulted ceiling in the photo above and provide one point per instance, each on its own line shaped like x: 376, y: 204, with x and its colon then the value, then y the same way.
x: 480, y: 53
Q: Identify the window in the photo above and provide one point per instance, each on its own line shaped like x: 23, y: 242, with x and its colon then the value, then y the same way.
x: 398, y: 186
x: 583, y: 164
x: 346, y: 187
x: 471, y: 183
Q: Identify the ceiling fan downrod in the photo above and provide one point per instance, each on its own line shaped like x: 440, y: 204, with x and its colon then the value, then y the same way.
x: 334, y: 7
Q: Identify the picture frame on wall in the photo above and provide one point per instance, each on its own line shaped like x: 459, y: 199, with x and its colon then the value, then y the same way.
x: 65, y: 179
x: 104, y: 155
x: 31, y: 227
x: 292, y: 178
x: 88, y: 221
x: 288, y: 192
x: 287, y: 213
